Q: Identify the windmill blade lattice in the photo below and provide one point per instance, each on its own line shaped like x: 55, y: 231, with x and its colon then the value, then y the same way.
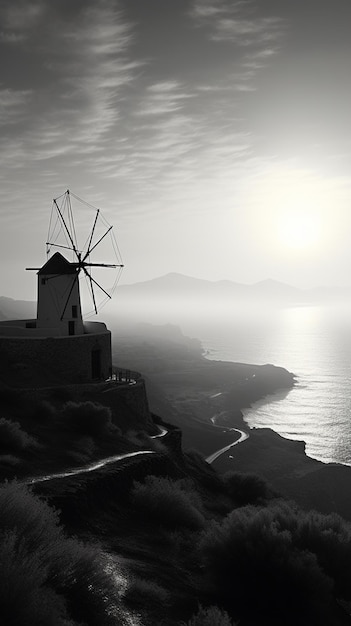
x: 95, y: 254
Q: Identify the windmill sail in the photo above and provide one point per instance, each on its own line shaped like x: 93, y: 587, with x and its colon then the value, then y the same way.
x: 95, y: 255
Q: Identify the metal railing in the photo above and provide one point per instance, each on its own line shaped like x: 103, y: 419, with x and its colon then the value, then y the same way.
x: 124, y: 376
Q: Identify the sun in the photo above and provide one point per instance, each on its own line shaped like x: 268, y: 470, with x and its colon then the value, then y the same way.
x: 294, y: 214
x: 298, y: 228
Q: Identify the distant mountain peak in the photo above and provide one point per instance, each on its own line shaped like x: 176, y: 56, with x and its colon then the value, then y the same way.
x: 275, y: 288
x: 271, y: 282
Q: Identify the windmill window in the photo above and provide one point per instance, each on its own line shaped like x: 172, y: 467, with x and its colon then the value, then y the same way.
x: 74, y: 311
x: 43, y: 281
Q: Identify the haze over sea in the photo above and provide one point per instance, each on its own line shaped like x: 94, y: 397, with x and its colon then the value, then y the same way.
x: 314, y: 343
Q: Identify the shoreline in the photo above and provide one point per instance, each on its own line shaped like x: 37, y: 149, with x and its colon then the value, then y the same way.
x: 186, y: 389
x: 282, y: 462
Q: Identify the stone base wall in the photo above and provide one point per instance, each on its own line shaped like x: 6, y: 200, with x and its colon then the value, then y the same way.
x: 69, y: 359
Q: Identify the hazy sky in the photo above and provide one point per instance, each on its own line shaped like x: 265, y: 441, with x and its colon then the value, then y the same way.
x: 214, y: 134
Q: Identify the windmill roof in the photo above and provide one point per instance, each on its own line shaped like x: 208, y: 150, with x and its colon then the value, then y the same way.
x: 57, y: 264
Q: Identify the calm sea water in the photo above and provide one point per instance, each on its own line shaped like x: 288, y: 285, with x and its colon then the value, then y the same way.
x: 315, y: 344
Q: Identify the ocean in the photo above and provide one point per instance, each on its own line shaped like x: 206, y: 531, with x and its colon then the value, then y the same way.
x: 312, y: 342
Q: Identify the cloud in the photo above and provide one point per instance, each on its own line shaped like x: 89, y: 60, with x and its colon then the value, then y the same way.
x: 254, y: 39
x: 163, y: 98
x: 93, y: 116
x: 19, y: 17
x: 247, y: 32
x: 80, y: 69
x: 208, y: 9
x: 12, y: 38
x: 89, y: 91
x: 13, y: 104
x: 237, y: 23
x: 93, y: 80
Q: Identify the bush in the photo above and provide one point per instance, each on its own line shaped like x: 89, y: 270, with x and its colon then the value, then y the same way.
x: 25, y: 596
x: 89, y: 418
x: 211, y: 616
x: 171, y: 503
x: 143, y: 593
x: 46, y: 578
x: 138, y: 438
x: 9, y: 460
x: 267, y: 555
x: 83, y: 449
x: 44, y: 410
x: 246, y: 488
x: 326, y: 536
x: 13, y: 438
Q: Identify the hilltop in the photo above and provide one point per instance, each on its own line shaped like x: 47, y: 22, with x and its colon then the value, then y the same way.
x: 160, y: 527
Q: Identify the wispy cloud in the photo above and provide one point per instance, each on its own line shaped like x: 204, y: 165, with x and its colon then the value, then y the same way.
x: 98, y: 70
x: 255, y: 40
x: 207, y: 9
x: 237, y: 22
x: 82, y: 105
x: 78, y: 86
x: 13, y: 103
x: 19, y: 18
x: 163, y: 98
x: 247, y: 32
x: 11, y: 37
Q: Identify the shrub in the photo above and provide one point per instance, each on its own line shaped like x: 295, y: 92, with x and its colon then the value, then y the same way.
x: 13, y: 438
x: 46, y: 578
x: 84, y: 447
x: 143, y: 440
x: 326, y: 536
x: 44, y: 410
x: 88, y: 418
x: 171, y: 503
x: 246, y: 488
x: 25, y: 597
x: 141, y: 593
x: 211, y: 616
x: 258, y: 553
x: 139, y: 438
x: 9, y: 460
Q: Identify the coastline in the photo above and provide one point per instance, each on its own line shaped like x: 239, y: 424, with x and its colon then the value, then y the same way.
x: 187, y: 389
x: 282, y: 462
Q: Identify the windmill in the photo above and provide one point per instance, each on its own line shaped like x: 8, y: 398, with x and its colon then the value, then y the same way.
x: 59, y: 280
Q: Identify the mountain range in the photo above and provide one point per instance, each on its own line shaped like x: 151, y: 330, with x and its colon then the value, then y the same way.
x: 175, y: 288
x: 180, y: 284
x: 175, y: 285
x: 17, y: 309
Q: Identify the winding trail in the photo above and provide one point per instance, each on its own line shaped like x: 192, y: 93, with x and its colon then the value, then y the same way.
x: 96, y: 464
x: 91, y: 467
x: 215, y: 455
x: 243, y: 434
x: 87, y: 468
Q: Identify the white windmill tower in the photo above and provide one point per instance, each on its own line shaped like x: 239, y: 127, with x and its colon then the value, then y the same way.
x: 59, y: 308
